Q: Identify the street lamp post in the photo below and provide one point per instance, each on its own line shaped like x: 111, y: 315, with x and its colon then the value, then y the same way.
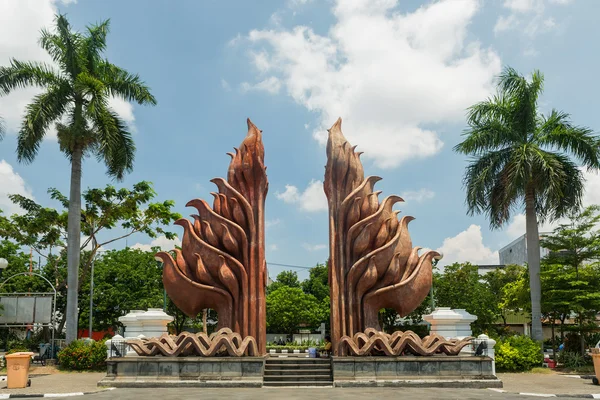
x: 160, y: 262
x: 3, y: 263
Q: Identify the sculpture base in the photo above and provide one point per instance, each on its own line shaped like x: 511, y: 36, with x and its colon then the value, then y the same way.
x: 184, y: 372
x: 434, y: 371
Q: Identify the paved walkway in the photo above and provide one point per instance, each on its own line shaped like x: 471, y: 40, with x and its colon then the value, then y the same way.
x: 63, y: 382
x: 515, y: 386
x: 304, y: 393
x: 553, y: 383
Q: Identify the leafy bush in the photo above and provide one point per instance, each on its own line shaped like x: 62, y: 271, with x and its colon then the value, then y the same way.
x: 518, y: 353
x: 17, y: 350
x: 83, y: 355
x: 573, y: 360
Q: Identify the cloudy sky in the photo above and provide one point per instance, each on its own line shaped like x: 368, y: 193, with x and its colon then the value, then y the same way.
x: 399, y: 72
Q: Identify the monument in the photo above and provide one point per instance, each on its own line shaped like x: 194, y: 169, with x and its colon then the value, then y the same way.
x: 372, y: 263
x: 221, y: 265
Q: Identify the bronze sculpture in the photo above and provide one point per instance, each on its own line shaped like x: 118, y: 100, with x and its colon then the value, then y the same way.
x: 372, y: 262
x: 221, y: 264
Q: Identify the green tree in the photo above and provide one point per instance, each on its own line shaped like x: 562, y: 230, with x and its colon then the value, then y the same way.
x: 507, y: 284
x: 77, y: 90
x: 317, y: 283
x: 124, y: 280
x: 522, y: 159
x: 284, y: 278
x: 109, y: 214
x: 572, y: 269
x: 460, y: 286
x: 289, y: 307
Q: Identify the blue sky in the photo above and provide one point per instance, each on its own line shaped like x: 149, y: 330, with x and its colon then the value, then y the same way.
x: 399, y: 73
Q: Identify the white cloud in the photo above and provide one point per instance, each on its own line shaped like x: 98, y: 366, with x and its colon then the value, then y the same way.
x: 467, y: 246
x: 528, y: 16
x: 312, y: 199
x: 19, y: 33
x: 270, y: 85
x: 592, y: 188
x: 591, y: 196
x: 272, y: 222
x: 125, y: 111
x: 225, y: 85
x: 505, y: 23
x: 272, y: 247
x: 314, y: 247
x: 418, y: 196
x: 11, y: 183
x: 161, y: 241
x: 385, y: 96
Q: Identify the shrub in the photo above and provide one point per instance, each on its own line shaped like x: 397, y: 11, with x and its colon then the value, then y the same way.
x: 518, y: 353
x: 573, y: 360
x: 17, y: 349
x: 83, y: 355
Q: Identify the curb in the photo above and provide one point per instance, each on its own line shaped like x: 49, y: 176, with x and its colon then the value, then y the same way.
x: 578, y: 396
x: 32, y: 395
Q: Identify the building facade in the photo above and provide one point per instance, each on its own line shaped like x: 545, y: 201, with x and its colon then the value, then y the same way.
x: 516, y: 251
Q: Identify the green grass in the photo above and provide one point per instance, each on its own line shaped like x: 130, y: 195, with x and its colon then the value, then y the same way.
x: 541, y: 370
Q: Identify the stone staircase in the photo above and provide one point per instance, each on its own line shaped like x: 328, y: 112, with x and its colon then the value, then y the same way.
x: 297, y: 371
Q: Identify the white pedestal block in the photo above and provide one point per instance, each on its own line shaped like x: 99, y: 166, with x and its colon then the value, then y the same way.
x: 133, y: 327
x: 449, y: 323
x: 154, y: 322
x: 491, y: 352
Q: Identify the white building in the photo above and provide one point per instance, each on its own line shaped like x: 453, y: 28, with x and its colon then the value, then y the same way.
x: 516, y: 251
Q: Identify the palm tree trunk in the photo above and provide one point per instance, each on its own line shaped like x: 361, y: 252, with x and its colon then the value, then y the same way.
x: 73, y: 244
x: 533, y: 261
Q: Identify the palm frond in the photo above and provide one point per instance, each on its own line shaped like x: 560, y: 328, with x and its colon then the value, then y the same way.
x: 45, y: 109
x: 114, y: 144
x: 22, y: 74
x: 557, y: 132
x: 53, y: 46
x: 94, y: 44
x: 121, y: 83
x: 559, y: 185
x: 71, y: 42
x: 90, y: 86
x: 480, y: 176
x: 2, y: 129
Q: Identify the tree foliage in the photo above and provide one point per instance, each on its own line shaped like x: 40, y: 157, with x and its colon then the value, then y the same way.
x: 317, y: 283
x: 460, y: 286
x: 76, y: 92
x: 109, y: 215
x: 571, y: 271
x: 289, y: 308
x: 523, y: 160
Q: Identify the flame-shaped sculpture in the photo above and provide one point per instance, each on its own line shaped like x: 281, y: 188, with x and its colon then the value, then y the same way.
x: 196, y: 344
x: 399, y: 343
x: 221, y: 264
x: 372, y: 262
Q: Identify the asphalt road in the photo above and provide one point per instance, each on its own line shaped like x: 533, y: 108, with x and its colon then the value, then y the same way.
x: 305, y: 393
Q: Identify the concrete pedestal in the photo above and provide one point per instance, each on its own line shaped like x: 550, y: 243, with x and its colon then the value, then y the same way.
x: 149, y: 372
x: 433, y: 371
x: 449, y: 323
x: 154, y: 322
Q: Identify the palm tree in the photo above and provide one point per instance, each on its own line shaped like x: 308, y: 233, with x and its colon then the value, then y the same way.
x: 522, y: 159
x: 77, y: 89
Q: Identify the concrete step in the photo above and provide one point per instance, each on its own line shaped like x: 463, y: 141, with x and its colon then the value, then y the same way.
x: 297, y: 378
x: 300, y: 383
x: 292, y: 368
x: 297, y: 360
x: 311, y: 372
